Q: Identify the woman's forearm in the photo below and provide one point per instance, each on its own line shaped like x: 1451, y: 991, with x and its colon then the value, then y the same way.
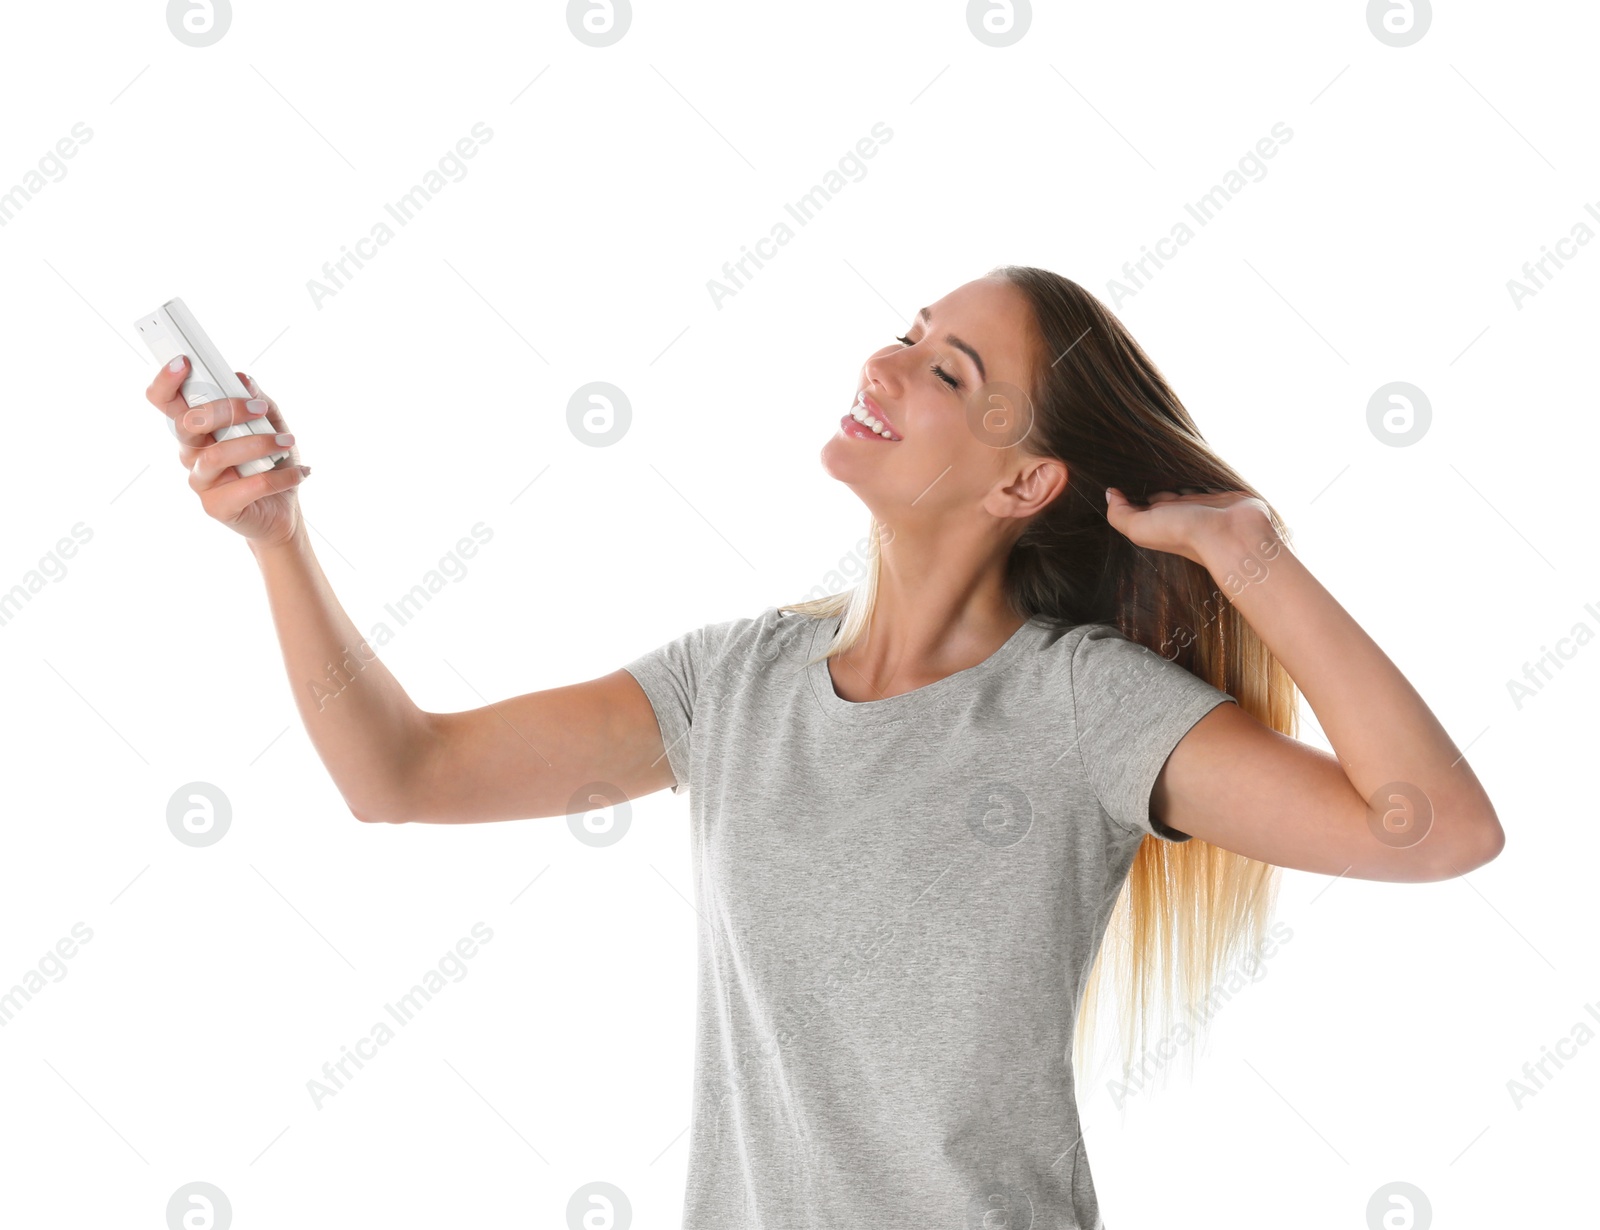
x: 363, y: 725
x: 1381, y: 730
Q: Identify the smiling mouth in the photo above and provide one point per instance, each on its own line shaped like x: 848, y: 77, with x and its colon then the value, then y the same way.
x: 860, y: 414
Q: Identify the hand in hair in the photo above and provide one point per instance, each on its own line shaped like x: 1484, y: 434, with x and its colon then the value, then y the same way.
x: 1186, y: 521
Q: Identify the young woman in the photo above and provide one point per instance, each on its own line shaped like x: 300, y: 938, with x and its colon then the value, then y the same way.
x: 1065, y: 690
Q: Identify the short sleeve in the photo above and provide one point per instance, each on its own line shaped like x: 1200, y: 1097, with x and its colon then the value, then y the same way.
x: 1131, y: 706
x: 672, y: 676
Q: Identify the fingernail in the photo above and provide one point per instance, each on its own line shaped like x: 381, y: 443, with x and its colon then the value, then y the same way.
x: 176, y: 365
x: 284, y: 438
x: 254, y: 387
x: 305, y: 471
x: 256, y: 406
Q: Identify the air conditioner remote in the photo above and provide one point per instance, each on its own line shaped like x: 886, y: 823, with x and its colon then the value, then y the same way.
x: 172, y: 330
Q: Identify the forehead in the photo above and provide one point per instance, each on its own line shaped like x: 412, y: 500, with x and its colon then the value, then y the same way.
x: 994, y: 318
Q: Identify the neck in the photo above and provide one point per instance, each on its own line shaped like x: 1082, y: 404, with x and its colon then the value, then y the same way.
x: 941, y: 607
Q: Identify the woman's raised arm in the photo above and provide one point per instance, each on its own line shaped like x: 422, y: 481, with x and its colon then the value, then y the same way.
x: 1396, y: 801
x: 391, y: 761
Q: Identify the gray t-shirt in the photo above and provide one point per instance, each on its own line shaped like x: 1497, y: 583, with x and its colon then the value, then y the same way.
x: 899, y: 904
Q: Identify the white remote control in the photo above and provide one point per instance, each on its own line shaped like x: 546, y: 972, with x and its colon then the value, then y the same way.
x: 172, y: 330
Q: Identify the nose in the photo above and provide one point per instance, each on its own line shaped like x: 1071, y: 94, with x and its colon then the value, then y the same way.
x: 880, y: 374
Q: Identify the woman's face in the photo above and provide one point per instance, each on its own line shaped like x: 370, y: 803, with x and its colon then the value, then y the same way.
x: 953, y: 401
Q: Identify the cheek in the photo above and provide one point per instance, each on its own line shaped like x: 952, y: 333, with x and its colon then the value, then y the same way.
x: 944, y: 452
x: 952, y: 428
x: 996, y: 426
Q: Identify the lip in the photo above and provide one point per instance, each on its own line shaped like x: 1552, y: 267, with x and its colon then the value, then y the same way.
x: 876, y: 411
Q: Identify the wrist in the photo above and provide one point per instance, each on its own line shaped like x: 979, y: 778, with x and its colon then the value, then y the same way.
x: 1242, y: 548
x: 281, y: 547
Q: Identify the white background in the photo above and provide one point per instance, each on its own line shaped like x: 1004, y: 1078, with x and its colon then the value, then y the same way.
x: 431, y: 391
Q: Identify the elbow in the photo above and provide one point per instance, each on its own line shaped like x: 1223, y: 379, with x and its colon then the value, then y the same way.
x: 1482, y: 850
x: 381, y: 807
x: 1494, y: 841
x: 367, y: 817
x: 1491, y: 839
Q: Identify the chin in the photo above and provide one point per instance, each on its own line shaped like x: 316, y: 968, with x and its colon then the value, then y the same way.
x: 834, y: 464
x: 843, y: 460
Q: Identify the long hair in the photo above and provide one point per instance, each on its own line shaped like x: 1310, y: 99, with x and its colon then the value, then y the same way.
x: 1186, y: 909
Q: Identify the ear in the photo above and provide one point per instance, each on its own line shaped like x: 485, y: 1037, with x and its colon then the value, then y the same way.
x: 1034, y: 484
x: 1043, y: 482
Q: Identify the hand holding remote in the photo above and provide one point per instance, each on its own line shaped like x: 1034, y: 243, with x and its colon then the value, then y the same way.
x: 263, y: 506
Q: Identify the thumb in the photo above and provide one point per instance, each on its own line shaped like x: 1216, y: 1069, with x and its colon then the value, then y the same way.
x: 1118, y: 509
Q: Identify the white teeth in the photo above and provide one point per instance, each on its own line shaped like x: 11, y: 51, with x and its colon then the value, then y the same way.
x: 858, y: 412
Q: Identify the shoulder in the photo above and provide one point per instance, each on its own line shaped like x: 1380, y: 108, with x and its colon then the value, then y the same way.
x: 765, y: 636
x: 1098, y: 658
x: 754, y: 640
x: 1081, y: 643
x: 1059, y: 645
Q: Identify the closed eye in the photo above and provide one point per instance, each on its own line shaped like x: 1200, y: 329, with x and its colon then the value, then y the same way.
x: 935, y: 369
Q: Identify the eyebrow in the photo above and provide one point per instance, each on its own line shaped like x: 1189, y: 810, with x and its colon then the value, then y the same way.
x: 955, y: 341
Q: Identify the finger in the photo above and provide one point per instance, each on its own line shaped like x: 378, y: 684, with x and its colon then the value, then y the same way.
x: 219, y: 462
x: 194, y: 425
x: 1118, y: 508
x: 226, y: 501
x: 1126, y: 500
x: 163, y: 392
x: 274, y: 415
x: 255, y: 389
